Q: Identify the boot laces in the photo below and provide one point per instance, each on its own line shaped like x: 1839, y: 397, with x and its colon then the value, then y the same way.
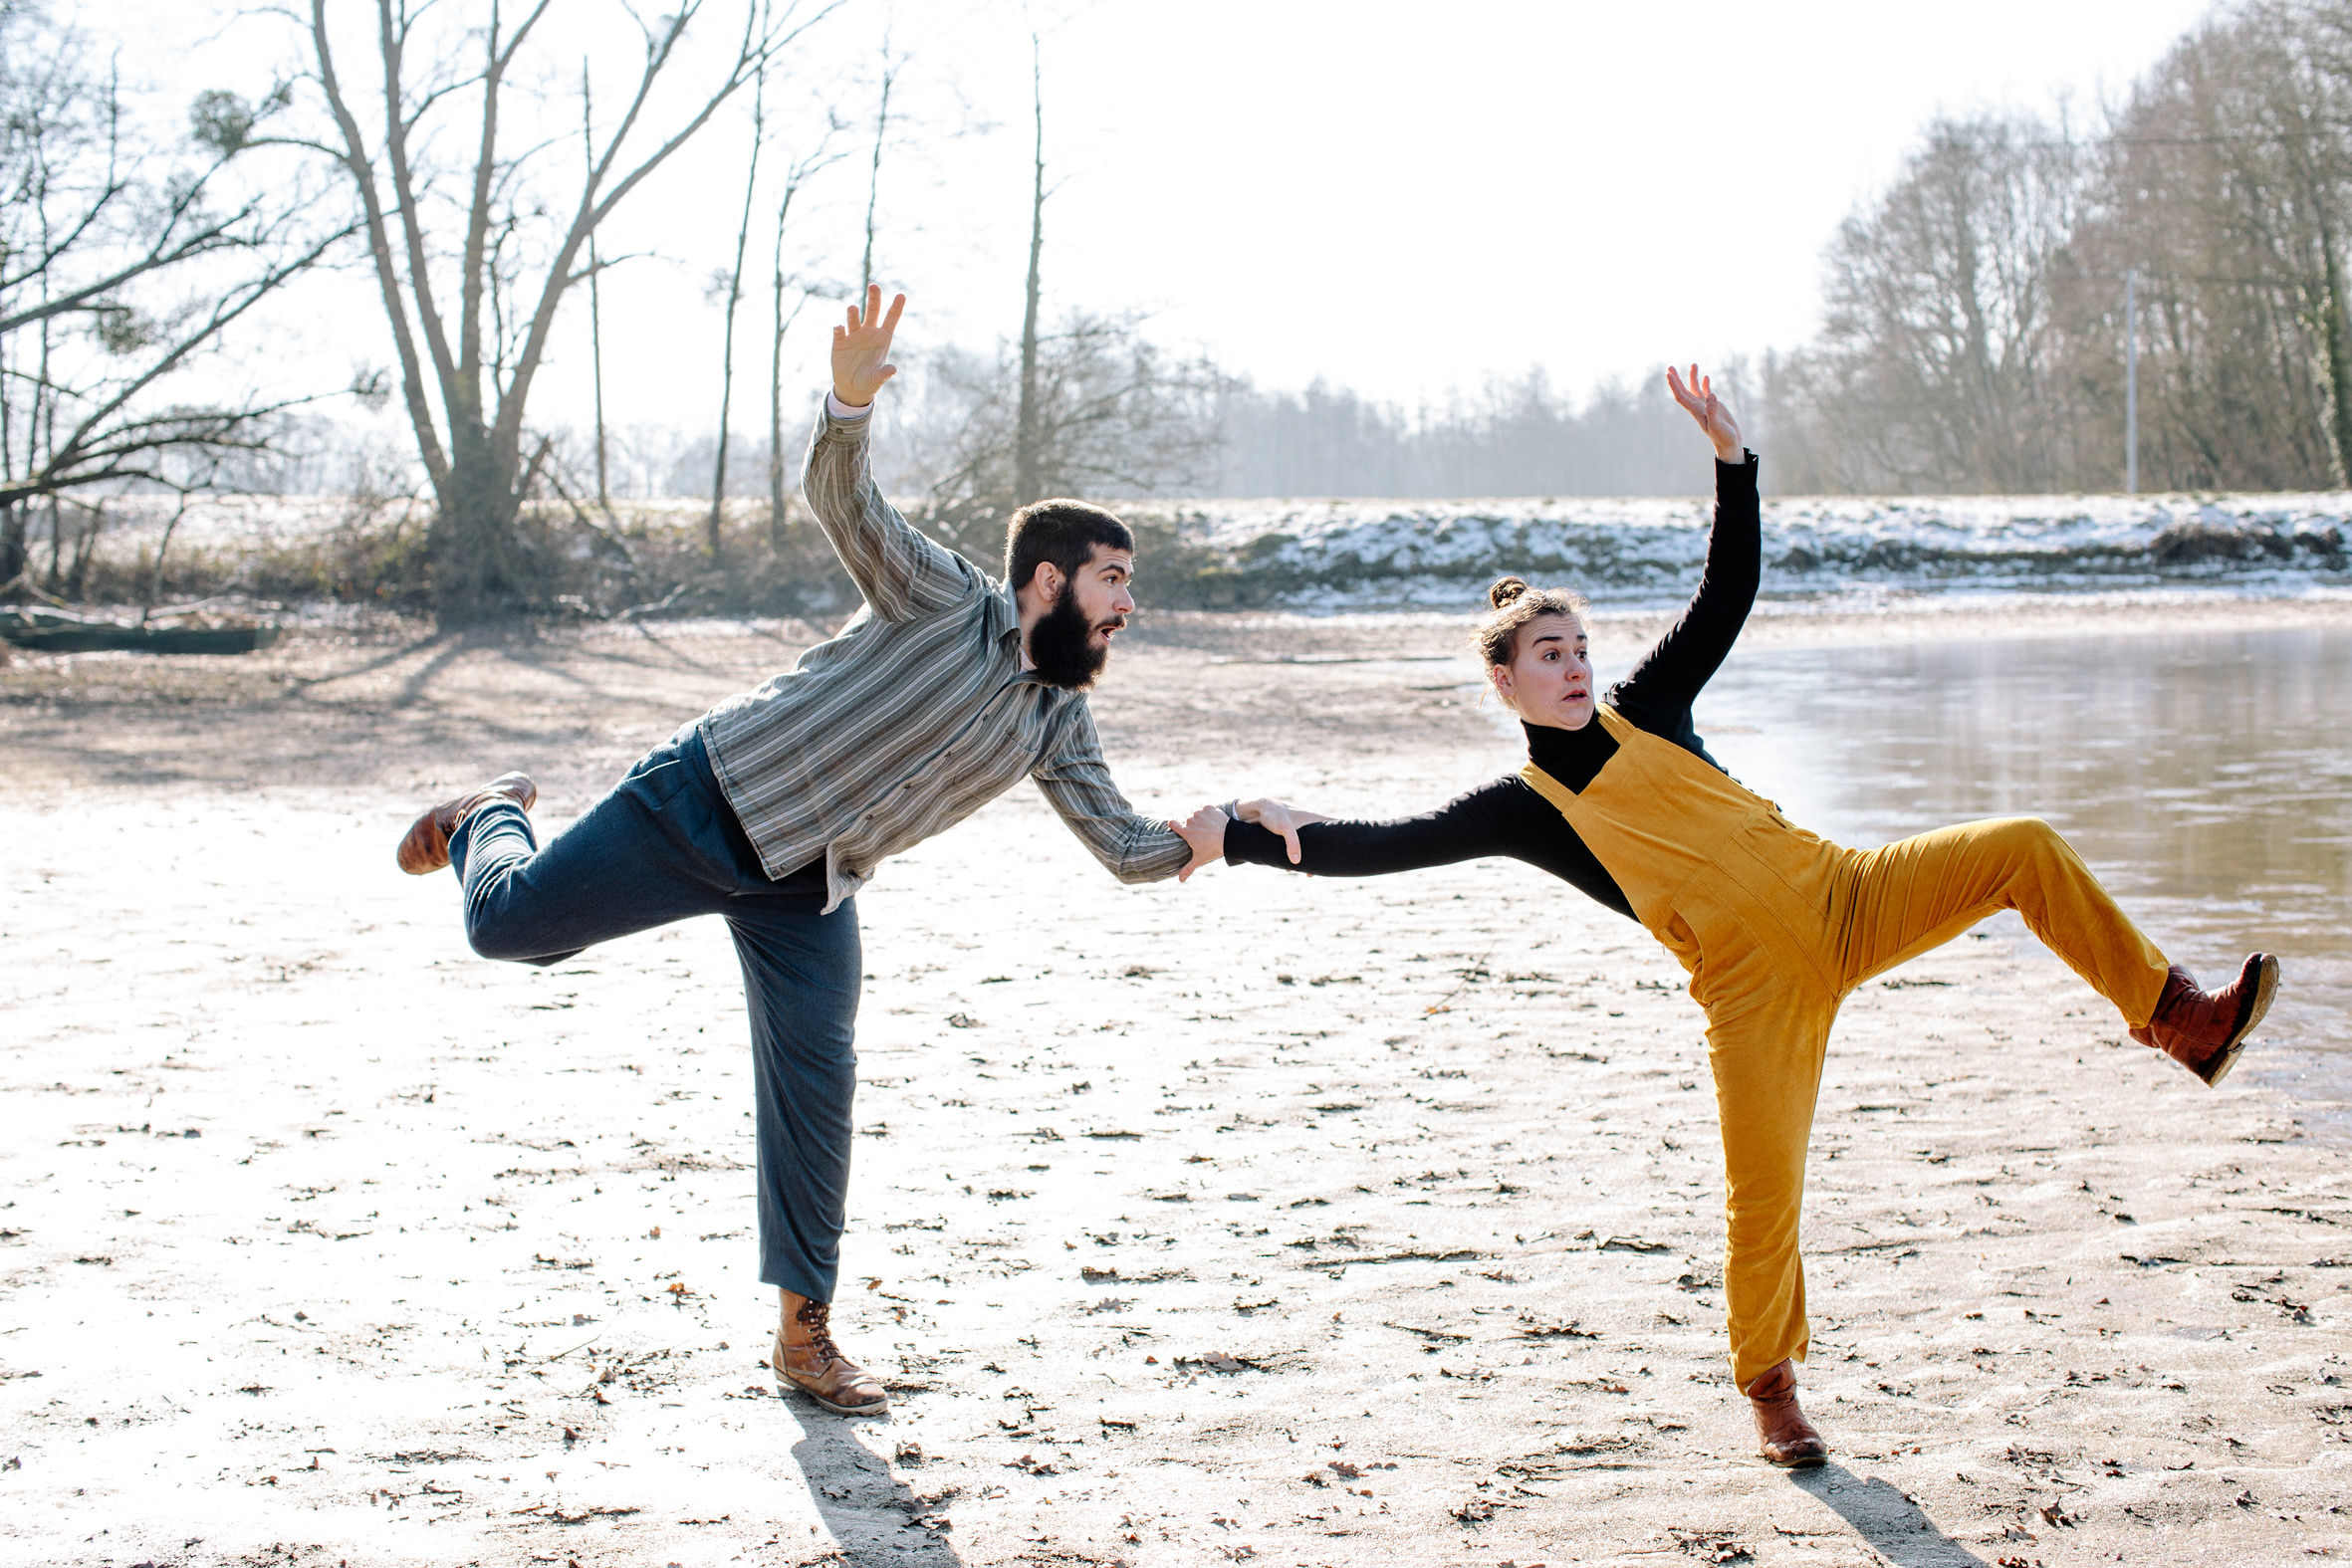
x: 816, y: 1318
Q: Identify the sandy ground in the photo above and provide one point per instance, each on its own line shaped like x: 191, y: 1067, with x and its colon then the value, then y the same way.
x: 1257, y: 1220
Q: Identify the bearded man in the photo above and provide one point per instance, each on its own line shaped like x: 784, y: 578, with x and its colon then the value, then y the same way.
x: 772, y: 809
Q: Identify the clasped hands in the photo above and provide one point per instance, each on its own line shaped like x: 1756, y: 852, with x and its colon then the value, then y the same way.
x: 1203, y: 830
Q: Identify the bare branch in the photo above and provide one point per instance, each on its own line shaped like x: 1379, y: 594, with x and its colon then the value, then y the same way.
x: 752, y: 55
x: 379, y: 246
x: 391, y: 41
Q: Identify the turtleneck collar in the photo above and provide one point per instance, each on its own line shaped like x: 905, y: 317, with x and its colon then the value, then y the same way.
x: 1550, y: 740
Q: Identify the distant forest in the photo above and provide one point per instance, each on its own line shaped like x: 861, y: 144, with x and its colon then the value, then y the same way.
x: 1982, y: 316
x: 1974, y: 340
x: 1975, y: 325
x: 1975, y: 317
x: 1522, y: 438
x: 1224, y: 437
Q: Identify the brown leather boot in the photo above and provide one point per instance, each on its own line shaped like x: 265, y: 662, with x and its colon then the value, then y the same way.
x: 817, y: 1368
x: 1781, y: 1431
x: 2205, y: 1030
x: 426, y: 846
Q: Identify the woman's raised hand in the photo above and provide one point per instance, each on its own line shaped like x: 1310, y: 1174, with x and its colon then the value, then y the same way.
x: 1698, y: 396
x: 861, y: 350
x: 1278, y: 817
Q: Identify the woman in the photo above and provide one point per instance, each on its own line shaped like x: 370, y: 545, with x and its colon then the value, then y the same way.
x: 1774, y: 925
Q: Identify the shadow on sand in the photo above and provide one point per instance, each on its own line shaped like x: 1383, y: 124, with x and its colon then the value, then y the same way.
x: 868, y: 1508
x: 1891, y: 1523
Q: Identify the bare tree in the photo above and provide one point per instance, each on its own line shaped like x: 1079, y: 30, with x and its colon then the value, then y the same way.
x: 1112, y: 414
x: 2306, y: 59
x: 481, y: 375
x: 794, y: 179
x: 1935, y: 362
x: 742, y: 233
x: 892, y: 65
x: 2226, y: 189
x: 1094, y: 408
x: 124, y: 260
x: 595, y: 267
x: 1976, y: 336
x: 1027, y: 449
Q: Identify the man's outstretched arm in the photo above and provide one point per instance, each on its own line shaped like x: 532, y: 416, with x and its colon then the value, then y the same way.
x: 1076, y: 783
x: 900, y: 573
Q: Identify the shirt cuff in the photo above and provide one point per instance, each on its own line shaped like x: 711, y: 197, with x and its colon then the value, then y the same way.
x: 1248, y: 844
x: 840, y: 410
x: 1735, y: 481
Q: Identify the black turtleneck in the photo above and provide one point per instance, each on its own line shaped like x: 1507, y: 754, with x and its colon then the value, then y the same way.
x: 1507, y: 817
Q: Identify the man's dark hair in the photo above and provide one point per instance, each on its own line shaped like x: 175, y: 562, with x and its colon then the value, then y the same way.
x: 1063, y: 532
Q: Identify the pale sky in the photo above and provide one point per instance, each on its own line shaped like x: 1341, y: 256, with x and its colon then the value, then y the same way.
x: 1406, y: 199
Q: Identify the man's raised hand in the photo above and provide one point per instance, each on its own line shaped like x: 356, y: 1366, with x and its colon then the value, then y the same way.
x: 861, y: 350
x: 1699, y: 400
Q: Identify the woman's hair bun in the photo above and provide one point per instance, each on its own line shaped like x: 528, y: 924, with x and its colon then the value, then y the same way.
x: 1505, y: 590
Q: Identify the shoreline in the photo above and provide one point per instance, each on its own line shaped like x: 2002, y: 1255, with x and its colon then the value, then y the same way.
x: 1804, y: 619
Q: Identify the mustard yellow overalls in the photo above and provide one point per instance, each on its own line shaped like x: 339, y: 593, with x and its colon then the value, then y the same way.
x: 1776, y: 926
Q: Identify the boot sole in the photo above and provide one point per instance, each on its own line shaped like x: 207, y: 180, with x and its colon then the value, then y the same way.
x: 424, y: 849
x: 1804, y: 1462
x: 785, y: 1385
x: 2265, y: 988
x: 420, y: 854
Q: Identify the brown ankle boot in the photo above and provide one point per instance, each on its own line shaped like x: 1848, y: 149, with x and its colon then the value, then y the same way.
x: 426, y: 846
x: 819, y: 1370
x: 2205, y: 1030
x: 1783, y: 1434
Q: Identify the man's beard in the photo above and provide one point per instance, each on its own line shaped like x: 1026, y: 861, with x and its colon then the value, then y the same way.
x: 1061, y: 644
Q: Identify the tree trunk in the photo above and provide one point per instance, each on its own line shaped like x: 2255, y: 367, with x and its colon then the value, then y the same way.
x: 712, y: 543
x: 2336, y: 346
x: 84, y: 546
x: 12, y: 550
x: 587, y: 145
x: 783, y: 326
x: 1025, y: 430
x: 775, y: 402
x: 472, y: 577
x: 57, y: 545
x: 874, y: 175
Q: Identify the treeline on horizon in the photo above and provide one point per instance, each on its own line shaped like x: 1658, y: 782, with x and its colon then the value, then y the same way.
x: 1975, y: 317
x: 1976, y: 332
x: 1974, y: 338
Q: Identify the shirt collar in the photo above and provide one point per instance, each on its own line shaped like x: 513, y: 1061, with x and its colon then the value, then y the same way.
x: 1004, y: 621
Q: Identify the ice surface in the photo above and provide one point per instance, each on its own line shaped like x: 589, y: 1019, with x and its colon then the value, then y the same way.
x: 1356, y: 552
x: 1336, y: 554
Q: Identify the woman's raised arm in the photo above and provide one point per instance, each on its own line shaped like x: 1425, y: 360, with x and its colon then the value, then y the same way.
x: 1659, y: 693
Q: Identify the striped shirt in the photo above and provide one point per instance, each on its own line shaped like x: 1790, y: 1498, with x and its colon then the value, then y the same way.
x: 916, y: 715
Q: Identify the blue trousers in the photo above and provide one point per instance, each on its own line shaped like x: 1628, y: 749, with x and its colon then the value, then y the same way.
x: 662, y: 846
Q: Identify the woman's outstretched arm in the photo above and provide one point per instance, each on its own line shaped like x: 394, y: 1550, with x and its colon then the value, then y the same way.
x: 1277, y: 833
x: 1503, y: 818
